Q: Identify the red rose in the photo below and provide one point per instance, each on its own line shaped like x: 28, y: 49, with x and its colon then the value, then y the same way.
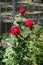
x: 15, y: 30
x: 29, y: 23
x: 21, y: 10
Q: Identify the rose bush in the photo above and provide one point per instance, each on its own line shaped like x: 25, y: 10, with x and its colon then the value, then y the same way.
x: 24, y: 43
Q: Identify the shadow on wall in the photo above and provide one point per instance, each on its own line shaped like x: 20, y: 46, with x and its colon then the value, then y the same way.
x: 37, y: 1
x: 5, y: 27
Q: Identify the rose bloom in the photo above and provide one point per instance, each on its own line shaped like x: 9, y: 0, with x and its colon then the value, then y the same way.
x: 15, y: 30
x: 29, y: 23
x: 21, y: 10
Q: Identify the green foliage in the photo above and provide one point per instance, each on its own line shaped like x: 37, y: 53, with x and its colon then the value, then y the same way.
x: 2, y: 50
x: 23, y: 50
